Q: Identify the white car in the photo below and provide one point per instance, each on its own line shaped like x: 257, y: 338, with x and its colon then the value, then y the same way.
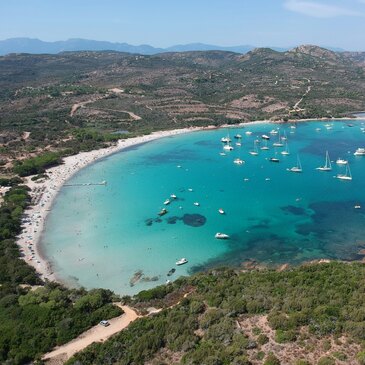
x: 104, y: 323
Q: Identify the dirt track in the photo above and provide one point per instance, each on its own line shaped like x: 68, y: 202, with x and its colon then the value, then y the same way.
x: 97, y: 333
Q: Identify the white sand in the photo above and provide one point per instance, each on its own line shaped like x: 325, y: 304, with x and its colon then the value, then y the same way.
x: 44, y: 192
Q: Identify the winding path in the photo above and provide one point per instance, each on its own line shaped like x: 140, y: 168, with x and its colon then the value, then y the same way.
x: 97, y: 333
x: 296, y: 106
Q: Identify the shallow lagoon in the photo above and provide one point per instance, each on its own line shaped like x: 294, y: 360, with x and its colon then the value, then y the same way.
x: 111, y: 236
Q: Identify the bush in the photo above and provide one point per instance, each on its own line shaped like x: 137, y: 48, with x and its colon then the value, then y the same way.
x: 360, y: 357
x: 262, y: 339
x: 326, y: 361
x: 271, y: 359
x: 285, y: 336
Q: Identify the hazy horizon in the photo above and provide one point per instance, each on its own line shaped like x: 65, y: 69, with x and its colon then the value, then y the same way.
x: 280, y: 23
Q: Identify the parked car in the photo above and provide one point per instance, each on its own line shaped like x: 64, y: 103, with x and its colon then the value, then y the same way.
x: 104, y: 323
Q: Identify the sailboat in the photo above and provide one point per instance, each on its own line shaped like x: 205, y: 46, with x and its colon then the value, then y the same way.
x: 265, y: 146
x: 255, y: 151
x: 279, y: 143
x: 298, y: 167
x: 327, y: 166
x: 347, y: 175
x: 286, y: 151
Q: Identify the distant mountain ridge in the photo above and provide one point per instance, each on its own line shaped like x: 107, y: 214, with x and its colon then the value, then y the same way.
x: 36, y: 46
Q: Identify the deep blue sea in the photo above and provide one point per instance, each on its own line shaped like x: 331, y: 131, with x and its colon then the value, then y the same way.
x: 112, y: 236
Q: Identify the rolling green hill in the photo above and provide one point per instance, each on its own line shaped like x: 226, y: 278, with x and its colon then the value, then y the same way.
x: 52, y: 96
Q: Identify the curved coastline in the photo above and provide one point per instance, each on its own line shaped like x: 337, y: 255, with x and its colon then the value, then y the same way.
x: 46, y: 191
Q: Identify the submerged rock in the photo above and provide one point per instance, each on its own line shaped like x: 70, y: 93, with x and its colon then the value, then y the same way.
x: 136, y: 277
x: 194, y: 220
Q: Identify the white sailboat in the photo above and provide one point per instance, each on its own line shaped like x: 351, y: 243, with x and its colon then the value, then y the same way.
x: 255, y: 151
x: 265, y: 146
x: 298, y: 167
x: 279, y: 143
x: 327, y: 166
x: 347, y: 175
x: 286, y: 151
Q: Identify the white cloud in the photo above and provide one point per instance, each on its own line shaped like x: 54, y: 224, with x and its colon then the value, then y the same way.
x: 318, y: 10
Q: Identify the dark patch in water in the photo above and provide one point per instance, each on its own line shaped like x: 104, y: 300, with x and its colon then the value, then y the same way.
x: 194, y: 220
x: 173, y: 220
x: 337, y: 147
x: 262, y: 224
x: 337, y: 226
x: 148, y: 222
x: 209, y: 143
x: 293, y: 210
x: 171, y: 156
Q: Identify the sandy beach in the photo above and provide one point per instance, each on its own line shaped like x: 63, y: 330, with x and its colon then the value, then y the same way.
x: 44, y: 192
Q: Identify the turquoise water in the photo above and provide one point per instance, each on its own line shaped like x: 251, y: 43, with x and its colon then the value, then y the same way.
x: 101, y: 236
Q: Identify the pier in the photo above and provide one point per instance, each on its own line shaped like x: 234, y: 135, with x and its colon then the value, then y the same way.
x: 87, y: 184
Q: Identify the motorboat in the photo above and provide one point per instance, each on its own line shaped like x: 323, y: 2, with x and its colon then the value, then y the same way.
x: 162, y: 212
x: 196, y: 204
x: 360, y: 152
x: 238, y: 161
x: 221, y: 236
x: 274, y: 159
x: 341, y: 161
x: 221, y: 211
x: 228, y: 147
x: 264, y: 136
x: 167, y: 202
x: 182, y: 261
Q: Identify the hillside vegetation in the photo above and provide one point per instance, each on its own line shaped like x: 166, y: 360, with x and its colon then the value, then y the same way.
x: 46, y: 100
x: 314, y: 312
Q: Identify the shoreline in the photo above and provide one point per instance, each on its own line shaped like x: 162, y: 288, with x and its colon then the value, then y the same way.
x: 43, y: 193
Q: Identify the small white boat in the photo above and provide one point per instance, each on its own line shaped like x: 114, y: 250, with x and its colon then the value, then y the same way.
x: 238, y: 136
x: 196, y: 204
x: 238, y: 144
x: 222, y: 153
x: 297, y: 168
x: 265, y: 146
x: 162, y: 212
x: 357, y: 206
x: 182, y: 261
x: 248, y: 133
x: 173, y: 196
x: 255, y: 151
x: 327, y: 166
x: 226, y: 139
x: 347, y: 175
x: 341, y: 161
x: 274, y: 132
x: 221, y: 211
x: 167, y: 202
x: 286, y: 151
x: 274, y: 159
x: 221, y: 236
x: 228, y: 147
x: 360, y: 152
x: 190, y: 189
x: 238, y: 161
x: 264, y: 136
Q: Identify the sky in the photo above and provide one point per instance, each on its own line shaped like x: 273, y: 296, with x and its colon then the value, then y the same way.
x: 162, y: 23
